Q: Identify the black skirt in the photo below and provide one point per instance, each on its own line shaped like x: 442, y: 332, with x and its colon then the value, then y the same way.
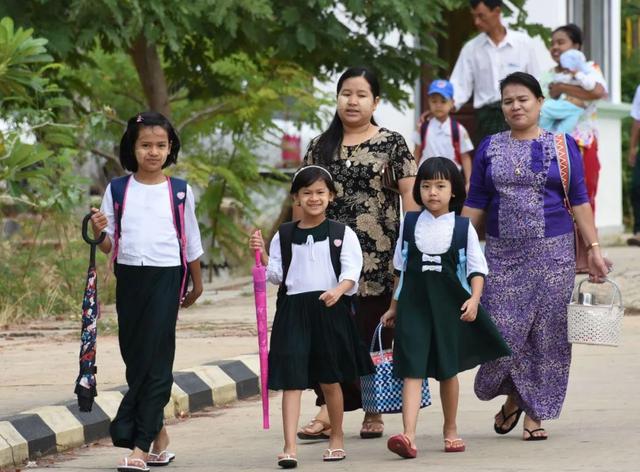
x: 313, y: 344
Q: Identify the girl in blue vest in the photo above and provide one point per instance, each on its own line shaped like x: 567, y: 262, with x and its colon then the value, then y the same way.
x: 155, y: 242
x: 440, y: 329
x: 317, y: 263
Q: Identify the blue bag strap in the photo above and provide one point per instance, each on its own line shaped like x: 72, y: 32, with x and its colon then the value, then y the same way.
x: 409, y: 226
x: 408, y: 236
x: 460, y: 236
x: 118, y: 189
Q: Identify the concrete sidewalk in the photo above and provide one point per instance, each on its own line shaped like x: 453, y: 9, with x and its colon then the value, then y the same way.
x: 39, y: 361
x: 597, y: 432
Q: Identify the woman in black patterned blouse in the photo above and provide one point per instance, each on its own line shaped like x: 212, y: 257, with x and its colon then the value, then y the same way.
x: 356, y: 151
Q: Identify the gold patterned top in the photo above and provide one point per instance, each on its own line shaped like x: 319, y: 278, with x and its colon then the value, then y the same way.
x: 365, y: 206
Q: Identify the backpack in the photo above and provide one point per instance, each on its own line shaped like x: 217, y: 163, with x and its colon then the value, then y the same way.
x: 455, y: 138
x: 178, y: 192
x: 336, y: 233
x: 460, y: 236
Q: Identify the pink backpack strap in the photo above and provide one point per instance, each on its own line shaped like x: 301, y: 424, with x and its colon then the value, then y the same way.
x: 178, y: 219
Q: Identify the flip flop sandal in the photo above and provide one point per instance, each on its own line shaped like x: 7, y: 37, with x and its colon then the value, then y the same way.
x: 505, y: 418
x: 154, y: 459
x: 364, y: 434
x: 332, y: 457
x: 532, y: 437
x: 322, y: 434
x: 449, y: 445
x: 400, y: 444
x: 288, y: 461
x: 129, y: 466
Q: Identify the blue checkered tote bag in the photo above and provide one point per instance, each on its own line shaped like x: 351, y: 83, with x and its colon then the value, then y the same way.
x: 381, y: 391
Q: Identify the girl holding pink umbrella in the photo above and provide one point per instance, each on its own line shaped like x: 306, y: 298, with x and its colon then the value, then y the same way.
x: 317, y: 263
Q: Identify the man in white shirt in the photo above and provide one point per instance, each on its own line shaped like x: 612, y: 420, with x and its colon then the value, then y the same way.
x: 487, y: 59
x: 633, y: 163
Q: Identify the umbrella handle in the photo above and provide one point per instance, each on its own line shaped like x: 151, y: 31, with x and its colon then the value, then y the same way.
x: 258, y: 255
x: 85, y: 232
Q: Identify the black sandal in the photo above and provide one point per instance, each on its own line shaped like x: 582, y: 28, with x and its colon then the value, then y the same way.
x: 505, y: 418
x: 532, y: 437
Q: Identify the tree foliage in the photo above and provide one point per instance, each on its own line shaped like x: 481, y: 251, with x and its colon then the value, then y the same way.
x: 221, y: 69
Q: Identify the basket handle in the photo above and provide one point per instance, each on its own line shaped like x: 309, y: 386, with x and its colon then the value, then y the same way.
x: 378, y: 333
x: 616, y: 290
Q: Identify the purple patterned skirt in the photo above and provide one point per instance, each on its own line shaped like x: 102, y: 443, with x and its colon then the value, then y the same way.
x: 527, y: 291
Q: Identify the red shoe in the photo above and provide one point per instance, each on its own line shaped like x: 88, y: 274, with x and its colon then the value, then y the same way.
x: 401, y: 445
x: 454, y: 445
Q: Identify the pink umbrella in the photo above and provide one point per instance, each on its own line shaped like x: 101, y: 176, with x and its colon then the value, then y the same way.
x: 260, y: 293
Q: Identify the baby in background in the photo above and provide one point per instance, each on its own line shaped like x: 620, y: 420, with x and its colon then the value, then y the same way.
x: 562, y: 114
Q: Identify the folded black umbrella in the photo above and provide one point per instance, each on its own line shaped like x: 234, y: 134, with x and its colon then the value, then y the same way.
x: 86, y: 381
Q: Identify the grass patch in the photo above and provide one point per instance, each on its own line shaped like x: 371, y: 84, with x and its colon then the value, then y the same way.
x: 43, y: 272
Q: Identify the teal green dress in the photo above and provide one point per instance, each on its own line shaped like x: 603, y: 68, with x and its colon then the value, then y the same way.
x: 430, y: 339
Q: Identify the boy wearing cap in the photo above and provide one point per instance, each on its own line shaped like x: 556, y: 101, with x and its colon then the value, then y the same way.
x: 442, y: 135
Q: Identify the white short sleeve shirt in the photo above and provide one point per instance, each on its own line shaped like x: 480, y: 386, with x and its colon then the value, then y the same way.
x: 148, y: 235
x: 482, y: 64
x: 439, y: 141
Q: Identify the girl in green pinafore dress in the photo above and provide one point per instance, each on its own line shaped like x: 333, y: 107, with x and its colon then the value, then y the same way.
x: 440, y: 329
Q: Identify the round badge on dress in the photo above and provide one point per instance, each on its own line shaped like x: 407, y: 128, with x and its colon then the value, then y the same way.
x: 337, y: 242
x: 180, y: 195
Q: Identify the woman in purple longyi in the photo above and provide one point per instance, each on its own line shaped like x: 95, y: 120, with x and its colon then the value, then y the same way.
x: 517, y: 191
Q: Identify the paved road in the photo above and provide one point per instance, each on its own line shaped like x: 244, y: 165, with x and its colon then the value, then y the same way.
x: 598, y: 431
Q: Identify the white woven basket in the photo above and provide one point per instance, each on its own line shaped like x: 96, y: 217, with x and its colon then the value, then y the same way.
x: 595, y: 324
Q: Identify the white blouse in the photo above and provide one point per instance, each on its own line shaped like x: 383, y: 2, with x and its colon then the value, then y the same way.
x: 433, y: 236
x: 311, y: 269
x: 148, y: 236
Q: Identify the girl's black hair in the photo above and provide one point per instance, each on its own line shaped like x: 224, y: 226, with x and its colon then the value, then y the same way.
x: 491, y: 4
x: 128, y: 141
x: 331, y: 139
x: 436, y: 168
x: 573, y: 31
x: 309, y: 175
x: 522, y: 78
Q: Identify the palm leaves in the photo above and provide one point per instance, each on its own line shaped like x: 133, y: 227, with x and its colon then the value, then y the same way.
x: 20, y: 52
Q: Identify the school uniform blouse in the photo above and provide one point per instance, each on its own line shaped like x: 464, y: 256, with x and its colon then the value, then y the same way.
x: 148, y: 236
x: 311, y: 269
x: 544, y: 213
x: 433, y: 236
x: 439, y: 141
